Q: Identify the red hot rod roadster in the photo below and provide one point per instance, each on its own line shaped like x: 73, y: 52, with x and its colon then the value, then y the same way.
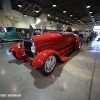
x: 43, y: 50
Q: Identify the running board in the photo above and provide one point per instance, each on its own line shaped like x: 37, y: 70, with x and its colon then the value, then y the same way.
x: 71, y: 53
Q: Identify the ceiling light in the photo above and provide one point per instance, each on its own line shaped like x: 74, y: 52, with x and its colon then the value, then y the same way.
x: 48, y: 14
x: 19, y: 4
x: 37, y: 9
x: 56, y: 17
x: 78, y: 20
x: 64, y: 11
x: 52, y: 21
x: 90, y: 11
x: 25, y: 15
x: 54, y: 3
x: 88, y: 5
x: 67, y: 21
x: 75, y: 18
x: 71, y: 15
x: 81, y: 22
x: 92, y: 15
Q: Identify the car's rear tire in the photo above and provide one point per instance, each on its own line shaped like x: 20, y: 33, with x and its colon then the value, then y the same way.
x: 79, y: 45
x: 14, y: 54
x: 49, y: 66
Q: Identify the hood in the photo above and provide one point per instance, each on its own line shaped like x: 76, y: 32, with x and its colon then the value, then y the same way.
x: 45, y: 37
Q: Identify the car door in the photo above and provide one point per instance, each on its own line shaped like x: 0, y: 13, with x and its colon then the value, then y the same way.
x: 67, y: 39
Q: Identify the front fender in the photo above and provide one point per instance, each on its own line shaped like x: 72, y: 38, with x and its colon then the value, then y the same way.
x: 19, y: 51
x: 41, y: 58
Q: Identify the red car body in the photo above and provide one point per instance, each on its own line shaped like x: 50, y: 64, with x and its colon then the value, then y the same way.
x: 45, y: 45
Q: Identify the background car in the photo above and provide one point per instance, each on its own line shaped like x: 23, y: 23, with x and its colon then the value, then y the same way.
x: 9, y: 34
x: 86, y: 36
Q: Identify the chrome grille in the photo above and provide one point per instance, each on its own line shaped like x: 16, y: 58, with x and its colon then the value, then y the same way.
x: 27, y: 46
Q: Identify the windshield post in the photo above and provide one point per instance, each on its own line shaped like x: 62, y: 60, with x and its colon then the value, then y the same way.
x: 41, y: 31
x: 62, y: 28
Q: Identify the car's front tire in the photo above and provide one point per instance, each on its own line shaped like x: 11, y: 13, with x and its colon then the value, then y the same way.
x: 49, y: 66
x: 14, y: 54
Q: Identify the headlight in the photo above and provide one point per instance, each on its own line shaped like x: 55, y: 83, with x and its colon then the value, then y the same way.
x: 33, y: 49
x: 18, y: 45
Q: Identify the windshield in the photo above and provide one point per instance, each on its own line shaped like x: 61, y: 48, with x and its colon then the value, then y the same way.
x: 9, y: 29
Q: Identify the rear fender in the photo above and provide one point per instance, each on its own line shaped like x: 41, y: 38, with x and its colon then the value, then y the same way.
x: 41, y: 58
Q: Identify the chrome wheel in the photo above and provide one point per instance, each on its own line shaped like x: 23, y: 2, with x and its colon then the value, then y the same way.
x: 50, y: 64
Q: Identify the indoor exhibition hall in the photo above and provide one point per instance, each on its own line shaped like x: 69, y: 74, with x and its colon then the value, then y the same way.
x: 49, y: 49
